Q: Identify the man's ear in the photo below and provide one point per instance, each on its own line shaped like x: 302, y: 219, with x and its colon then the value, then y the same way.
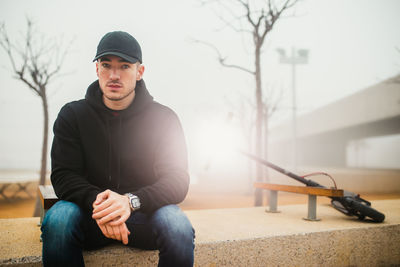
x: 97, y: 68
x: 140, y: 71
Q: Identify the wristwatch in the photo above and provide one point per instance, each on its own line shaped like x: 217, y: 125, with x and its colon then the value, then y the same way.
x: 134, y: 201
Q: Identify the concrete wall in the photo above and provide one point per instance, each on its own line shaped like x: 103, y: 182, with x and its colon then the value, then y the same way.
x: 324, y: 134
x: 244, y: 237
x: 379, y: 102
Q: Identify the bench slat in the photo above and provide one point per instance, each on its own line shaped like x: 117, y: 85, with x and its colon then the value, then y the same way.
x: 308, y: 190
x: 47, y: 196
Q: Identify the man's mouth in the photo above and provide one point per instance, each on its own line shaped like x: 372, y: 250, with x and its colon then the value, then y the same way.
x: 114, y: 85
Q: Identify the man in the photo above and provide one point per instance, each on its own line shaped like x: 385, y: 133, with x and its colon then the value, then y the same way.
x: 119, y: 166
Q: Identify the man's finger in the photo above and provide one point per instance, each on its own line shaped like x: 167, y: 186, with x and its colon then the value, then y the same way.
x: 117, y: 234
x: 120, y: 220
x: 102, y: 213
x: 101, y: 197
x: 110, y: 217
x: 124, y: 233
x: 102, y: 205
x: 103, y: 229
x: 110, y: 232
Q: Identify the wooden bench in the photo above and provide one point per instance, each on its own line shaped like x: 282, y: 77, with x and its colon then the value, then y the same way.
x: 312, y: 193
x: 47, y: 198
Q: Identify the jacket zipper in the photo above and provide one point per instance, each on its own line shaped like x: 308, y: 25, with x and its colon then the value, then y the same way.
x: 109, y: 151
x: 119, y: 152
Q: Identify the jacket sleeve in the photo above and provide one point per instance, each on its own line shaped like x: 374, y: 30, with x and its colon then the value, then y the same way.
x: 170, y: 167
x: 67, y: 162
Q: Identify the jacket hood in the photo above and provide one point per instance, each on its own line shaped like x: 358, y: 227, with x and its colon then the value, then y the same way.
x: 94, y: 96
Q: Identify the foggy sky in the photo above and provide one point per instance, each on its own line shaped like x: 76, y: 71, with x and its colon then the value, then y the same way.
x: 352, y: 46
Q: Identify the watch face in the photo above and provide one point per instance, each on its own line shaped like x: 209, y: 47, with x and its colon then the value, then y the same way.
x: 135, y: 202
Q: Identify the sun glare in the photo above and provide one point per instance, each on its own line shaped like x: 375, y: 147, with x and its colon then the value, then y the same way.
x: 217, y: 144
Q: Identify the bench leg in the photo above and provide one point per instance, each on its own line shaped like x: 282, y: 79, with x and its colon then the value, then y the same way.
x: 312, y: 208
x: 272, y: 201
x: 42, y: 213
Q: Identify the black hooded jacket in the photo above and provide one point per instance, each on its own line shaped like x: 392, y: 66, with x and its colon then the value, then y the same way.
x: 140, y: 150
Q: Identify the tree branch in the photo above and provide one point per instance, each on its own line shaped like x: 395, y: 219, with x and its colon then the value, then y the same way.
x: 246, y: 6
x: 6, y: 44
x: 222, y: 60
x: 39, y: 61
x: 231, y: 25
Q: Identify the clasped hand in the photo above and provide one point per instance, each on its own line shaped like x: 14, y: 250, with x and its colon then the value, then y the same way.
x: 111, y: 210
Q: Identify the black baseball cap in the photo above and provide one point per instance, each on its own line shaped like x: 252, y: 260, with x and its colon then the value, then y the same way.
x: 120, y: 44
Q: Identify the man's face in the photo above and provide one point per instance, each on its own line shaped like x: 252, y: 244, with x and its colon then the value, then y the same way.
x: 117, y: 79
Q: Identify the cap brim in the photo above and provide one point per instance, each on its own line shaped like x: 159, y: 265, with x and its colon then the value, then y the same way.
x: 123, y: 56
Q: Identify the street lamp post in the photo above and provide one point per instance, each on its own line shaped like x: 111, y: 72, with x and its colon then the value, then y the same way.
x: 299, y: 56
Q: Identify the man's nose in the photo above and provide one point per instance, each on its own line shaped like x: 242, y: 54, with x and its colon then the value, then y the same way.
x: 114, y: 74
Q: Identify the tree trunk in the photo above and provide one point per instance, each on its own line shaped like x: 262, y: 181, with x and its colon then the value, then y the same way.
x: 250, y: 163
x: 258, y: 199
x: 266, y: 171
x: 43, y: 167
x: 266, y: 120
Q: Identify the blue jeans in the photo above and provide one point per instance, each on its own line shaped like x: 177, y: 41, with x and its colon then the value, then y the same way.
x: 67, y: 231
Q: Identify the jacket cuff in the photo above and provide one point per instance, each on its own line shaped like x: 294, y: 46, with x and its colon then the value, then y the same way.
x: 144, y: 202
x: 91, y: 197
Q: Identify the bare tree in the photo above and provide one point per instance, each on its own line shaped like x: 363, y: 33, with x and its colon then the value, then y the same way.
x: 256, y: 19
x: 36, y: 62
x: 270, y: 105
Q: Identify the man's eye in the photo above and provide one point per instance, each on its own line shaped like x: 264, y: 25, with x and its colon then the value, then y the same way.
x: 125, y: 66
x: 105, y: 65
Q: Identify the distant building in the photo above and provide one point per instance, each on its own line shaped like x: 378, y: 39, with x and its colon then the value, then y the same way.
x: 361, y: 130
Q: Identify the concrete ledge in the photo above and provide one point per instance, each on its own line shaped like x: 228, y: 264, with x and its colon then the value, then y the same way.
x: 244, y: 237
x: 353, y: 247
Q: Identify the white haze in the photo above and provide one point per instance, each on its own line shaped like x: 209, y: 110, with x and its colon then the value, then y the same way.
x: 352, y: 46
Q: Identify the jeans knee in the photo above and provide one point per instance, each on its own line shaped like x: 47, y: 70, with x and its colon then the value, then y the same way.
x: 62, y: 235
x: 172, y: 221
x: 62, y: 222
x: 175, y: 234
